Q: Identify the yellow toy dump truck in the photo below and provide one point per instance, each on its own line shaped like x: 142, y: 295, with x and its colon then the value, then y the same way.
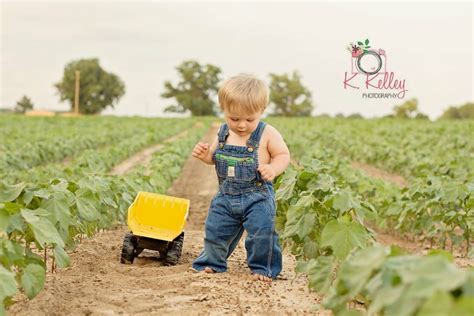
x: 156, y: 222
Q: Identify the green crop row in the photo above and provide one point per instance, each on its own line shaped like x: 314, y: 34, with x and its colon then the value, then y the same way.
x: 96, y: 160
x: 324, y: 205
x: 28, y: 142
x: 53, y: 215
x: 321, y: 219
x: 437, y: 204
x: 414, y: 149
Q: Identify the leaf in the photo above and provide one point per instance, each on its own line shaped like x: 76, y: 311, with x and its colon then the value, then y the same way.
x: 58, y: 206
x: 31, y: 257
x: 342, y: 237
x: 343, y: 202
x: 44, y: 231
x: 323, y: 182
x: 299, y: 226
x: 440, y: 252
x: 366, y: 211
x: 7, y: 283
x: 432, y: 273
x: 355, y: 274
x: 62, y: 259
x: 285, y: 191
x: 468, y: 287
x: 12, y: 208
x: 109, y: 201
x: 86, y: 206
x: 383, y: 297
x: 360, y: 43
x: 367, y: 42
x: 310, y: 248
x: 319, y: 272
x: 11, y: 253
x: 307, y: 224
x: 439, y: 304
x: 42, y: 193
x: 32, y: 279
x: 4, y: 220
x: 358, y: 268
x: 464, y: 306
x: 304, y: 266
x: 299, y: 220
x: 28, y: 196
x: 452, y: 192
x: 10, y: 193
x: 316, y: 166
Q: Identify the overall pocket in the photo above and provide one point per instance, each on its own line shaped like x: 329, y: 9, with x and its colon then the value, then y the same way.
x: 221, y: 167
x: 245, y: 171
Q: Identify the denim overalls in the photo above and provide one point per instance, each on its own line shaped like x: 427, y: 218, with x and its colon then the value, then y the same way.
x: 244, y: 201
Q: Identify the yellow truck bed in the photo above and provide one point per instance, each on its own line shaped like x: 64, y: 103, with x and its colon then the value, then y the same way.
x: 157, y: 216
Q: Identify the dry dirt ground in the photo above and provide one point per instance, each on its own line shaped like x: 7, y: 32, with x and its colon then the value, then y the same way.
x: 97, y: 284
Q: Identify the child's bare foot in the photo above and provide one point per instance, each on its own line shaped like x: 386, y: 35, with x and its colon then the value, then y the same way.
x: 260, y: 277
x: 208, y: 270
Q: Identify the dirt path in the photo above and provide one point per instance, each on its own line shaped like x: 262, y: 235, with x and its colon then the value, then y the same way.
x: 143, y: 157
x: 97, y: 284
x: 375, y: 172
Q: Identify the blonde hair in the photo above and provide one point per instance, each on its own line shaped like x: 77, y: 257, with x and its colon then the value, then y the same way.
x: 243, y: 92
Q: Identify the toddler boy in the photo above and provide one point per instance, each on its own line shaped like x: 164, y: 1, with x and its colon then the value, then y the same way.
x: 248, y: 154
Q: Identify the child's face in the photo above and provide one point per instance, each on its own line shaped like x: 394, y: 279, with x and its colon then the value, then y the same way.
x: 242, y: 123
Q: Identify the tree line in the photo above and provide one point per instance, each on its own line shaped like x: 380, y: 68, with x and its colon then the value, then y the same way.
x: 195, y: 91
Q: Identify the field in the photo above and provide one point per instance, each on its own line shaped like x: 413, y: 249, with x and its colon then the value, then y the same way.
x: 376, y: 216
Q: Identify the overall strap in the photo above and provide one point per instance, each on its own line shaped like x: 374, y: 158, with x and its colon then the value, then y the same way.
x: 223, y: 134
x: 254, y: 139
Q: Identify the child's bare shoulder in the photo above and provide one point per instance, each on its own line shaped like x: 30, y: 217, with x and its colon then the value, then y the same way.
x: 270, y: 132
x: 271, y: 138
x: 273, y: 141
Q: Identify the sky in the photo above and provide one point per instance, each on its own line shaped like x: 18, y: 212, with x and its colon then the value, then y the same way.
x: 428, y: 47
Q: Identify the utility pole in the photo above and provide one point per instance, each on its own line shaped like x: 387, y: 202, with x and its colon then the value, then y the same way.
x: 76, y: 96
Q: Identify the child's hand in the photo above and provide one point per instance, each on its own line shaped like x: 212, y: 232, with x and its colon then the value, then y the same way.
x: 267, y: 171
x: 201, y: 150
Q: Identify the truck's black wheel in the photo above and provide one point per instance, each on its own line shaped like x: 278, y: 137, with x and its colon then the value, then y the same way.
x: 162, y: 256
x: 138, y: 251
x: 129, y: 251
x: 174, y: 251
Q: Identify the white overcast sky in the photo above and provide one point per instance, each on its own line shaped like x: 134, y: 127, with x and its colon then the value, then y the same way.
x: 429, y: 44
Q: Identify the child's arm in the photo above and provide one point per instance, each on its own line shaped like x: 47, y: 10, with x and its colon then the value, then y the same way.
x: 279, y: 153
x: 203, y: 152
